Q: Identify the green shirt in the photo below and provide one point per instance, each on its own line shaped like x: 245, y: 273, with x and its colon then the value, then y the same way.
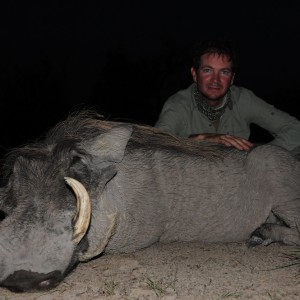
x: 180, y: 116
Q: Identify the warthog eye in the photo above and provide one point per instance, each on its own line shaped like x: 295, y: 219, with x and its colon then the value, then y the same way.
x: 76, y: 159
x: 3, y: 215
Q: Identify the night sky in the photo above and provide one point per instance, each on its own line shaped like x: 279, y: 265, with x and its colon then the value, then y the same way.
x: 124, y: 58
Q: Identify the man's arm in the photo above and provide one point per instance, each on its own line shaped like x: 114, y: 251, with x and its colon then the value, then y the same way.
x: 284, y: 128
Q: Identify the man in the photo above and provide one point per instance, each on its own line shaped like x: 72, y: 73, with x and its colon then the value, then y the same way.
x: 214, y: 109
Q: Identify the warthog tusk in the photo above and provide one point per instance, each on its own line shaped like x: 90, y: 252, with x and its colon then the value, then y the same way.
x: 83, y: 214
x: 112, y: 221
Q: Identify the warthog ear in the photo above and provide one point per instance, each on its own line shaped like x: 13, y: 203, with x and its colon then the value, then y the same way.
x: 110, y: 146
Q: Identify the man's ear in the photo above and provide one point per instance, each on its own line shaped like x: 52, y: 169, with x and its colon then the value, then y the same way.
x: 232, y: 79
x: 194, y: 74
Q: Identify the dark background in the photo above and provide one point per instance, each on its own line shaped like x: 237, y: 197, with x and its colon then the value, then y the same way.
x: 124, y: 58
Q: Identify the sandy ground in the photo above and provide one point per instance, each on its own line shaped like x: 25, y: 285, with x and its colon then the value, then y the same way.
x: 181, y: 271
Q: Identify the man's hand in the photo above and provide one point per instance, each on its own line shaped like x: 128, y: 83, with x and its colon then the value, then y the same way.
x: 225, y: 139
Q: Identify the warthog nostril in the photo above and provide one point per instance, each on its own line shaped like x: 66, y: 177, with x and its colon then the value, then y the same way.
x: 22, y: 281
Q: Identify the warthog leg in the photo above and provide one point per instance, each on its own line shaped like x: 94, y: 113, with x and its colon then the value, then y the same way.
x: 268, y: 233
x: 282, y: 225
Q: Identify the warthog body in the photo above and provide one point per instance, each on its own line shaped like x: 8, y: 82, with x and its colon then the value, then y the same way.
x: 144, y: 187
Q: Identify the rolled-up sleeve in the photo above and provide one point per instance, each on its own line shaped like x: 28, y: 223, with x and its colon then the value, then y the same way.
x: 284, y: 128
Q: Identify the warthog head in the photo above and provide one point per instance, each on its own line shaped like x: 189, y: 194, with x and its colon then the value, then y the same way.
x: 45, y: 203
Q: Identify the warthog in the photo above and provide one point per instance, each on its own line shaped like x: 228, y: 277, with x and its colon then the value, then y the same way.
x: 92, y: 187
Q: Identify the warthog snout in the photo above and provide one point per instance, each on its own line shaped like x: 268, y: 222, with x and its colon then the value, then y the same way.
x: 22, y: 281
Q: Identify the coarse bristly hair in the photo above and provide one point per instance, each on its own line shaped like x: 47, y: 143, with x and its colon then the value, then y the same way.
x: 86, y: 125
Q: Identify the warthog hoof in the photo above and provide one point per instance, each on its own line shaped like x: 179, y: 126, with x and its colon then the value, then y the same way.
x: 257, y: 239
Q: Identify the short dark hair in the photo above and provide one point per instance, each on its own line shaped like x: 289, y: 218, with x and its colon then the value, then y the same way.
x: 214, y: 46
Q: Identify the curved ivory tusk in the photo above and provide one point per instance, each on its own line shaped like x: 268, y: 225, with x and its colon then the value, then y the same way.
x: 112, y: 220
x: 83, y: 214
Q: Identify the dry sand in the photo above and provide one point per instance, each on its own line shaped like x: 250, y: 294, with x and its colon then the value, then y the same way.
x: 181, y: 271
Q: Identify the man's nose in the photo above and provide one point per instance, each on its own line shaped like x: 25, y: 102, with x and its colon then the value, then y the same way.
x: 215, y: 77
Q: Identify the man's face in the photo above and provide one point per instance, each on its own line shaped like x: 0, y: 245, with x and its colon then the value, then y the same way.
x: 213, y: 77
